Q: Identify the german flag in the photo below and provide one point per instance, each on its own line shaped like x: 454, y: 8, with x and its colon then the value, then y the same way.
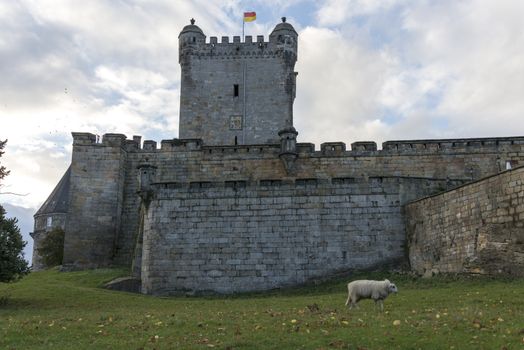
x: 250, y: 16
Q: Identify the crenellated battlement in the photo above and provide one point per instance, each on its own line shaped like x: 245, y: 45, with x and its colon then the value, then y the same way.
x: 235, y: 49
x: 443, y: 144
x: 327, y: 149
x: 113, y: 140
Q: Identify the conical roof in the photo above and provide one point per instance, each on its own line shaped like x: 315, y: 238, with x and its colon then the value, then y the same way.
x: 58, y: 201
x: 283, y: 27
x: 191, y: 28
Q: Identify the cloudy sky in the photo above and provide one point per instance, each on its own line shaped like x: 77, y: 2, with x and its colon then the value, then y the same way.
x: 368, y: 70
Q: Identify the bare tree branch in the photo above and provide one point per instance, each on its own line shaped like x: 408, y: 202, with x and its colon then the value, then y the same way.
x: 15, y: 194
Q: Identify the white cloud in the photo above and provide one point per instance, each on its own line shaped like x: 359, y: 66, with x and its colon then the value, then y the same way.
x: 337, y: 88
x: 335, y: 12
x: 477, y: 49
x: 448, y: 68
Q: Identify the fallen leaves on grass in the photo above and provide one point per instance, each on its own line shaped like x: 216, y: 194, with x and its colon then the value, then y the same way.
x: 273, y: 313
x: 313, y: 308
x: 154, y: 338
x: 477, y: 324
x: 338, y: 344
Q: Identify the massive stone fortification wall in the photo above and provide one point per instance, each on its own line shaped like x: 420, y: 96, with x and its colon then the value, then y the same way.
x: 104, y: 215
x: 233, y: 236
x: 475, y: 228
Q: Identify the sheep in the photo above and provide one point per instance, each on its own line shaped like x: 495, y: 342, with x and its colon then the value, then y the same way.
x: 366, y: 289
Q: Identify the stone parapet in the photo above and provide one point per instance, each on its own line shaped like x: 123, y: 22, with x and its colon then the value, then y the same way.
x: 366, y: 148
x: 471, y: 144
x: 84, y: 138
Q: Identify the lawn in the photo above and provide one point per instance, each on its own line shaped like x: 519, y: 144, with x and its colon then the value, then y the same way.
x: 54, y: 310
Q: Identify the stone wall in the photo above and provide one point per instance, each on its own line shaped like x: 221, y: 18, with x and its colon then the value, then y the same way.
x: 476, y: 228
x: 186, y: 161
x: 104, y: 217
x: 234, y: 237
x: 96, y: 196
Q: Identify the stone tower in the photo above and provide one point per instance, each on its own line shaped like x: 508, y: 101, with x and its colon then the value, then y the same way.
x: 237, y: 92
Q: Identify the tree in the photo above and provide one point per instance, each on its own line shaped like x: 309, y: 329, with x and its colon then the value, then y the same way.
x: 52, y: 248
x: 3, y: 171
x: 12, y: 263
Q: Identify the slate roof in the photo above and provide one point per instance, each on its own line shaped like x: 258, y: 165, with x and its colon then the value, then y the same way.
x: 284, y: 26
x: 191, y: 28
x: 58, y: 201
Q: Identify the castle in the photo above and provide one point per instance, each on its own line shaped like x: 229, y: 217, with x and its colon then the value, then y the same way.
x: 236, y: 204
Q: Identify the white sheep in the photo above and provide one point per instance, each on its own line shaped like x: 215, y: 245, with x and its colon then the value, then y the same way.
x: 366, y: 289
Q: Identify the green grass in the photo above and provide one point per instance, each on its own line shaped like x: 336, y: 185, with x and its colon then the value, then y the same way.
x: 53, y: 310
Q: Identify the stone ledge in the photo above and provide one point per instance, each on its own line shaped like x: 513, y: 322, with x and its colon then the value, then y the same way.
x: 124, y: 284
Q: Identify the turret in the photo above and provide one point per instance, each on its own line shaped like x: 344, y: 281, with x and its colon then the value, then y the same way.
x: 285, y: 38
x: 288, y: 148
x: 146, y: 176
x: 189, y: 39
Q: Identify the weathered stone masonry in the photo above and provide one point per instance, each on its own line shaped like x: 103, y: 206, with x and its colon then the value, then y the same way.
x: 236, y: 237
x: 476, y: 228
x: 96, y: 195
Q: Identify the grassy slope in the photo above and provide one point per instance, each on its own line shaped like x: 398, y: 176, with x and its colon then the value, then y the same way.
x: 66, y: 310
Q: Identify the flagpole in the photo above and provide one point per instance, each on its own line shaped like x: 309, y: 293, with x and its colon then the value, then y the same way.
x: 243, y: 87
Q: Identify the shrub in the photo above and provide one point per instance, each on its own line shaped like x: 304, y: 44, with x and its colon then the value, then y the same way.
x: 4, y: 298
x: 52, y: 248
